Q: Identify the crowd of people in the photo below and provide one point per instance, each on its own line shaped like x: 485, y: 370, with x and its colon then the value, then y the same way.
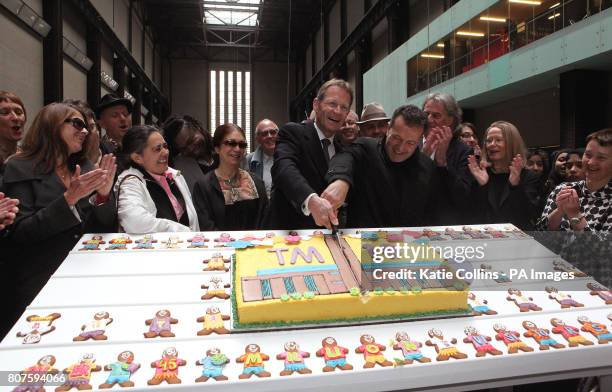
x: 78, y: 170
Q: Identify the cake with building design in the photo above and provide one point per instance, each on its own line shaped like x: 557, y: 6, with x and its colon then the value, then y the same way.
x: 331, y: 279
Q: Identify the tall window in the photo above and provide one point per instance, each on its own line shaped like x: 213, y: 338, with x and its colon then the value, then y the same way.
x: 230, y: 100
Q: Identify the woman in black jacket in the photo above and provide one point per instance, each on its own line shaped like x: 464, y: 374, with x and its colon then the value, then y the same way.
x: 505, y: 192
x: 229, y: 198
x: 62, y: 196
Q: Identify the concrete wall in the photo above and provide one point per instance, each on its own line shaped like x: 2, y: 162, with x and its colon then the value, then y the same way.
x: 334, y: 27
x: 190, y: 88
x: 75, y: 81
x: 354, y: 13
x: 269, y: 91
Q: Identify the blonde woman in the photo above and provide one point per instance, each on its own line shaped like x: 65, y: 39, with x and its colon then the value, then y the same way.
x: 505, y: 192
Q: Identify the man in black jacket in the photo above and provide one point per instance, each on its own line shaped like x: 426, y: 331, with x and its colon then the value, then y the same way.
x: 301, y: 160
x: 392, y: 182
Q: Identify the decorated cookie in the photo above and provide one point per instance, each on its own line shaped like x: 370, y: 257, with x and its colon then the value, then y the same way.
x: 292, y: 239
x: 433, y: 235
x: 601, y: 292
x: 516, y: 232
x: 333, y: 355
x: 369, y: 236
x: 474, y: 233
x: 372, y: 352
x: 479, y: 307
x: 541, y: 336
x: 524, y: 304
x: 79, y: 374
x: 119, y: 243
x: 146, y: 242
x: 512, y: 339
x: 121, y: 371
x: 294, y: 359
x: 38, y: 326
x: 570, y: 333
x: 35, y: 376
x: 160, y: 325
x: 239, y: 244
x: 600, y: 331
x: 253, y: 360
x: 216, y: 263
x: 502, y: 277
x: 480, y: 342
x: 94, y: 243
x: 215, y: 289
x: 410, y: 349
x: 223, y: 238
x: 213, y: 322
x: 172, y: 242
x: 167, y: 368
x: 198, y: 241
x: 213, y: 364
x: 395, y: 237
x: 565, y: 300
x: 94, y: 329
x: 493, y: 232
x: 446, y: 349
x: 454, y: 234
x: 560, y: 265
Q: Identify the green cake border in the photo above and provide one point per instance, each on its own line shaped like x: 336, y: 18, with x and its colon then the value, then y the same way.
x: 237, y: 325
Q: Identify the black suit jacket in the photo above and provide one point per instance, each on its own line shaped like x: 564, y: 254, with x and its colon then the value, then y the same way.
x: 45, y: 229
x: 461, y: 182
x: 299, y: 169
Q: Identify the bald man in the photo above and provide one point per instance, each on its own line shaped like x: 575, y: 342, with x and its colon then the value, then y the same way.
x: 260, y: 161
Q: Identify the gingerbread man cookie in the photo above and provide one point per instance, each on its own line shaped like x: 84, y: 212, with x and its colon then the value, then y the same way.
x: 253, y: 360
x: 294, y: 359
x: 34, y: 377
x: 480, y: 342
x: 570, y: 333
x: 541, y: 336
x: 167, y: 368
x: 216, y: 263
x: 172, y: 242
x: 511, y: 339
x: 79, y: 374
x: 410, y: 349
x: 160, y: 325
x: 565, y: 300
x: 213, y: 322
x: 215, y: 289
x: 213, y: 364
x: 198, y: 241
x: 446, y: 349
x: 560, y: 265
x: 372, y: 352
x: 95, y: 329
x: 39, y: 326
x: 502, y: 277
x: 94, y: 243
x: 524, y: 303
x: 119, y: 243
x: 601, y: 292
x: 333, y: 355
x: 146, y: 242
x: 600, y: 331
x: 121, y: 371
x: 479, y: 307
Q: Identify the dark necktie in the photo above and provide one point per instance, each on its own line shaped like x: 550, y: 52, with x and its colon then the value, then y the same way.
x: 326, y: 143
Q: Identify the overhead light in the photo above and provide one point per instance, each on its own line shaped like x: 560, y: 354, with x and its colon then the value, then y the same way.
x: 554, y: 16
x: 492, y: 19
x: 432, y: 55
x: 554, y: 6
x: 440, y: 45
x: 528, y: 2
x: 470, y: 33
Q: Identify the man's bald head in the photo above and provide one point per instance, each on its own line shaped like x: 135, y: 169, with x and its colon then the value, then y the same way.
x: 266, y: 133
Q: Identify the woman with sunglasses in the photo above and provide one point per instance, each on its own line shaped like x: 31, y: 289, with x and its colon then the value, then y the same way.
x: 62, y: 196
x: 151, y: 196
x: 230, y: 198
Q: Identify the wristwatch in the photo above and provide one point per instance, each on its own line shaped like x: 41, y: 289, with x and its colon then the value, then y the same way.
x: 575, y: 220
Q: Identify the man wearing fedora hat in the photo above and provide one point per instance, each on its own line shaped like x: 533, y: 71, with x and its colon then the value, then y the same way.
x: 115, y: 117
x: 374, y: 121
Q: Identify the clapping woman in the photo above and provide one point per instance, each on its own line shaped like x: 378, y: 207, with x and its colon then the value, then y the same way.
x: 505, y: 192
x: 62, y: 196
x: 151, y: 197
x: 229, y: 198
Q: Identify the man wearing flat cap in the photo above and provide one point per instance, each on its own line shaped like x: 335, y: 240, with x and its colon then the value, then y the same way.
x: 374, y: 121
x: 115, y: 117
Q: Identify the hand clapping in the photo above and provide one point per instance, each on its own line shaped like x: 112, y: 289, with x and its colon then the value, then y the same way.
x: 8, y: 210
x: 478, y: 170
x: 82, y: 185
x: 516, y: 166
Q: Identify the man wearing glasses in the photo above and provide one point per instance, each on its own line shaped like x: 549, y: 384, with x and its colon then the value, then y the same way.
x: 301, y: 160
x: 260, y: 161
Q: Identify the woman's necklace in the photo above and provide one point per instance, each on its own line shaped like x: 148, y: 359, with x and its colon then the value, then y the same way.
x: 232, y: 181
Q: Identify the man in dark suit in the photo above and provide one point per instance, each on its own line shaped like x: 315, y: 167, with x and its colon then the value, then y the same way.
x: 115, y: 117
x: 441, y: 143
x: 301, y: 160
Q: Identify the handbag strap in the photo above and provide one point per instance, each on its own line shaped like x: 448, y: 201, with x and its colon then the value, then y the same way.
x: 119, y: 228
